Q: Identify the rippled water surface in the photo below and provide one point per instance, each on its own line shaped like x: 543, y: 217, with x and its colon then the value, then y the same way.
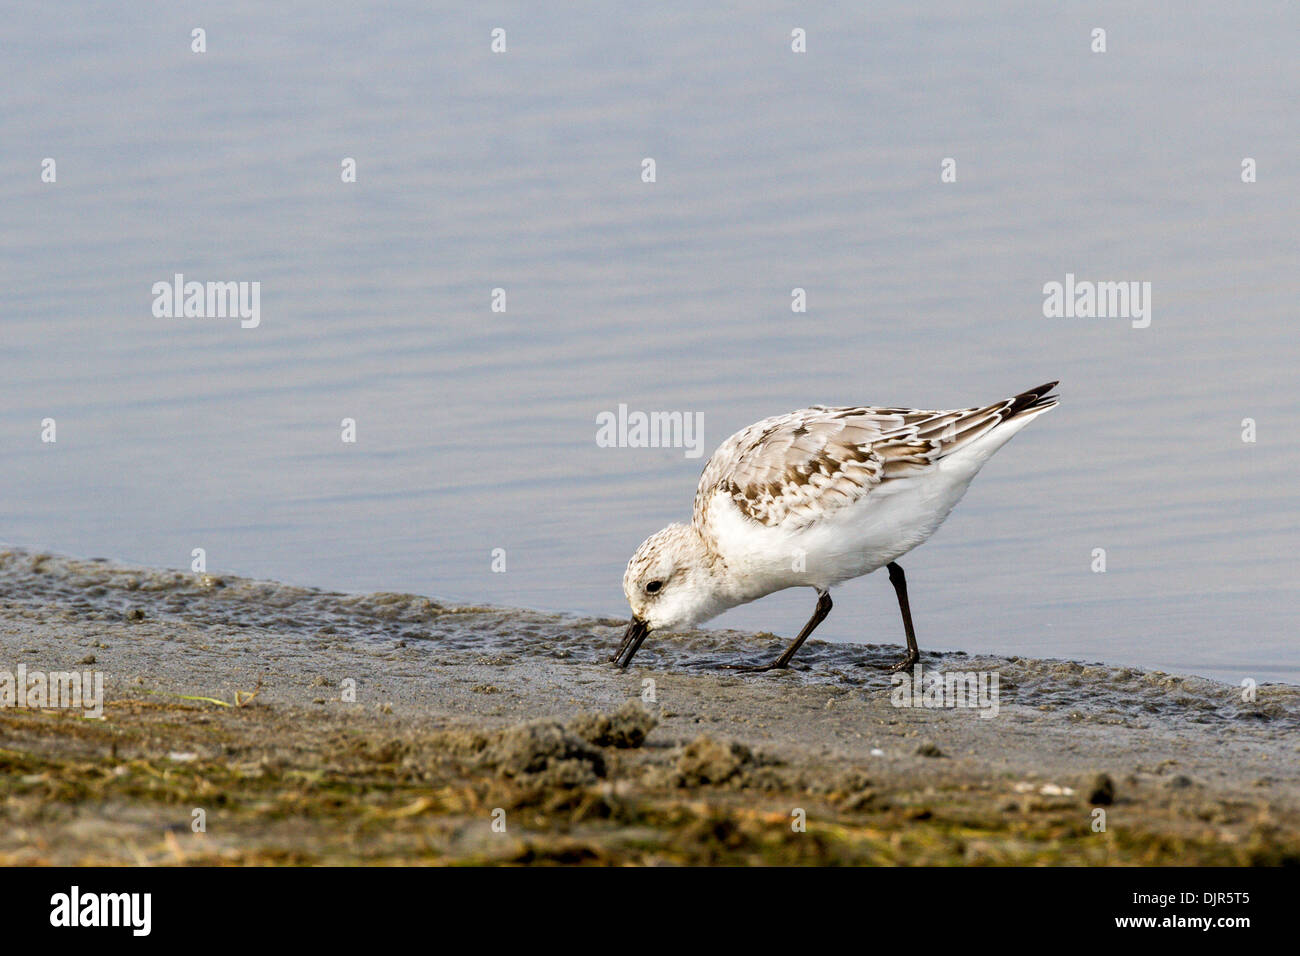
x: 477, y: 429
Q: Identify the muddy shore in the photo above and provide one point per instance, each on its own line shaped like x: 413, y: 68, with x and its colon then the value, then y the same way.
x: 315, y: 727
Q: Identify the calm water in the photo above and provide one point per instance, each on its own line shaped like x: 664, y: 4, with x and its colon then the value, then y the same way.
x: 476, y: 429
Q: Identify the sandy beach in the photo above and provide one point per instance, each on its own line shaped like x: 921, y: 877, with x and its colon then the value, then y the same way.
x: 315, y: 727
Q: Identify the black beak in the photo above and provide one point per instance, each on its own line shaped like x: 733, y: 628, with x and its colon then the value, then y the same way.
x: 632, y: 638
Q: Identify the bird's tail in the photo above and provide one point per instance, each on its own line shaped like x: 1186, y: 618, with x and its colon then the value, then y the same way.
x: 1030, y: 403
x: 983, y: 430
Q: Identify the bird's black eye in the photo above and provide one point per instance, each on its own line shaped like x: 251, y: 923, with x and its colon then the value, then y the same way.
x: 653, y: 587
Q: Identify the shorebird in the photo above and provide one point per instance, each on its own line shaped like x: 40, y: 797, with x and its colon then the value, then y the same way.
x: 812, y: 499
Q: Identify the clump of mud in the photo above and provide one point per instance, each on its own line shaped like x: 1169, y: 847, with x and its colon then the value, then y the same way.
x: 539, y: 751
x: 626, y: 728
x: 1102, y: 791
x: 551, y: 753
x: 722, y: 763
x: 543, y: 746
x: 705, y: 760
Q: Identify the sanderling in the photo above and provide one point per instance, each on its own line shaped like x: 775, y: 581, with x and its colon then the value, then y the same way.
x: 811, y: 499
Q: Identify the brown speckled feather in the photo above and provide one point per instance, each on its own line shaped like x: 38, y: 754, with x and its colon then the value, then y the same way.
x: 793, y: 469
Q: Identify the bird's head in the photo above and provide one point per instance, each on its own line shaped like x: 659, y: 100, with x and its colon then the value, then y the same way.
x: 669, y: 584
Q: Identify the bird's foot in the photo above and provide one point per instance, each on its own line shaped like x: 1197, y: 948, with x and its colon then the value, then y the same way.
x: 907, y: 663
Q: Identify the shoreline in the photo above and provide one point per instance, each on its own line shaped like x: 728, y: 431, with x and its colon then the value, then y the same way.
x: 388, y: 728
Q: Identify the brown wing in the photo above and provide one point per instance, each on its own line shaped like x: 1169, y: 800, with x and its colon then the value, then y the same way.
x: 795, y: 468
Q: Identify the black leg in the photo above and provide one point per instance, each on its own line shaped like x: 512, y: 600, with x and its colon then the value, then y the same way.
x: 819, y: 614
x: 899, y: 582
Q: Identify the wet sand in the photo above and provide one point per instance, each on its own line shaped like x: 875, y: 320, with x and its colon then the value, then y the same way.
x: 499, y: 735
